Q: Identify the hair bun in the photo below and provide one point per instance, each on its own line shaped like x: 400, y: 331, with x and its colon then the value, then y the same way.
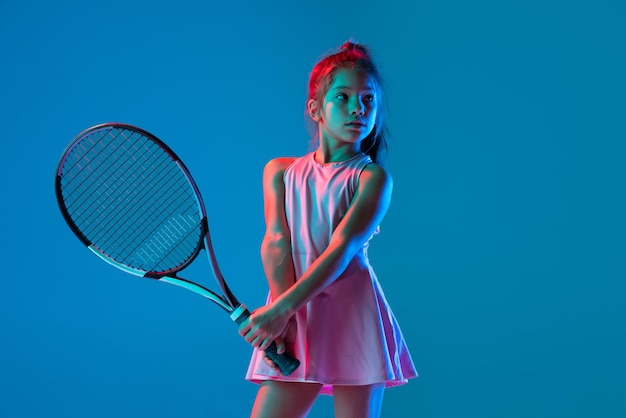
x: 354, y: 47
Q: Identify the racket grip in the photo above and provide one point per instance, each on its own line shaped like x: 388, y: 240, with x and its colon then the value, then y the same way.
x: 285, y: 362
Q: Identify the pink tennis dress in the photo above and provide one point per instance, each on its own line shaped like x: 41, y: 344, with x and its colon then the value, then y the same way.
x: 347, y: 335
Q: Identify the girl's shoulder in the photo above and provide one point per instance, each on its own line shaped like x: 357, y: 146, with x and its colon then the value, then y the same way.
x: 279, y: 164
x: 377, y: 170
x: 275, y: 169
x: 377, y: 175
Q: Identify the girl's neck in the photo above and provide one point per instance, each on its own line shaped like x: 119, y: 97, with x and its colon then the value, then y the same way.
x: 325, y: 154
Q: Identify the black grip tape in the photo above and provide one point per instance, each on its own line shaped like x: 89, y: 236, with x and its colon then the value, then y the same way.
x: 285, y: 362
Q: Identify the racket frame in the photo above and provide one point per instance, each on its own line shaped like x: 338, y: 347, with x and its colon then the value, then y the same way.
x: 227, y: 301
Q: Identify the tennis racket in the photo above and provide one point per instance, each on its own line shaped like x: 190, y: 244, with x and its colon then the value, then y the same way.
x: 129, y: 198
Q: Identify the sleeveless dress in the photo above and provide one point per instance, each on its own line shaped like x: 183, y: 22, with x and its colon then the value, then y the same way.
x: 346, y: 335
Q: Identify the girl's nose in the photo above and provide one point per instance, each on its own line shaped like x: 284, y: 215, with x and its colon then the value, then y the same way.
x: 359, y: 107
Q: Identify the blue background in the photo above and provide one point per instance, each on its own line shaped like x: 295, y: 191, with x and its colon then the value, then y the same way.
x: 502, y: 253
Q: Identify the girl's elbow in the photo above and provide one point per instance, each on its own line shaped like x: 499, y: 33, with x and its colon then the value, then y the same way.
x: 277, y: 239
x: 275, y: 245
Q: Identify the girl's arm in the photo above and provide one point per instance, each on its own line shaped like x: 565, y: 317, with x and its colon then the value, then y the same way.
x: 366, y: 211
x: 276, y: 245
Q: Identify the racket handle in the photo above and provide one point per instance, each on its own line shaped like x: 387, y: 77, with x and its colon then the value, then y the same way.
x: 286, y: 362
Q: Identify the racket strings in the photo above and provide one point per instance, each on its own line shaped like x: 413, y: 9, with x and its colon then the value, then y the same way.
x: 95, y: 166
x: 167, y: 236
x: 131, y: 199
x: 120, y: 213
x: 125, y: 211
x: 100, y: 170
x: 86, y: 162
x: 105, y: 201
x: 165, y: 244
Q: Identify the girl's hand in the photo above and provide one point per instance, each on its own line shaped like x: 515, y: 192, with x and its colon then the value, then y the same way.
x: 285, y: 342
x: 263, y: 326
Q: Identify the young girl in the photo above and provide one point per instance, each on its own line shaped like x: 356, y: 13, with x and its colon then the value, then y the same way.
x: 325, y: 305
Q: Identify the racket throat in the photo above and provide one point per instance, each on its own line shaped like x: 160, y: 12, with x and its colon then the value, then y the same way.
x: 198, y: 289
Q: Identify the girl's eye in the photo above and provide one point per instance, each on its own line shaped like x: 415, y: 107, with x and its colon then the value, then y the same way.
x: 369, y: 98
x: 342, y: 96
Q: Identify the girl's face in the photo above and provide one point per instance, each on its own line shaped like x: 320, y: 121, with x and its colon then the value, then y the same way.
x: 349, y: 108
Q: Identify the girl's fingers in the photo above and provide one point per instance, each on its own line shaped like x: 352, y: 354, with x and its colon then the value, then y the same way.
x: 266, y: 343
x: 280, y: 345
x: 250, y: 337
x: 270, y: 362
x: 244, y: 328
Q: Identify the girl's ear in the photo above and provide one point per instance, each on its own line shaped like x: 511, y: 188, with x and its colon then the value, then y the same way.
x: 314, y: 110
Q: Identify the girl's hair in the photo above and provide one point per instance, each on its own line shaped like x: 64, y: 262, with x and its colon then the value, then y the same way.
x: 357, y: 57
